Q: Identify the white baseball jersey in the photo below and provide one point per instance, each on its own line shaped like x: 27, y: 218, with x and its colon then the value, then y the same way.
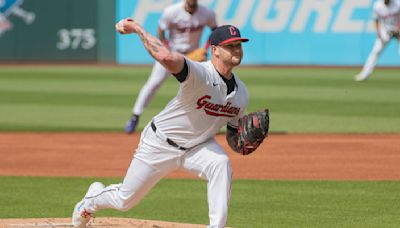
x: 185, y: 29
x: 388, y: 16
x: 201, y: 106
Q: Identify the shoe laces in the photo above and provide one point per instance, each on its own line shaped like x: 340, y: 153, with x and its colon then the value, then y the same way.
x: 86, y: 214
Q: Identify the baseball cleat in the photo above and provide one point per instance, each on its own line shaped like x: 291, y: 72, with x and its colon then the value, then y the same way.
x: 131, y: 124
x: 361, y: 77
x: 81, y: 217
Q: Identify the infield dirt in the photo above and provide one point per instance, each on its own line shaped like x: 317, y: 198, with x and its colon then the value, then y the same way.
x: 292, y: 156
x: 281, y: 157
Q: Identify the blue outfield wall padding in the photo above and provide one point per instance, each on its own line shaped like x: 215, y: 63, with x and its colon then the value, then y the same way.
x: 290, y: 32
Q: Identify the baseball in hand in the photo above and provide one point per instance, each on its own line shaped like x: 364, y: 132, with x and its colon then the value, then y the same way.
x: 125, y: 26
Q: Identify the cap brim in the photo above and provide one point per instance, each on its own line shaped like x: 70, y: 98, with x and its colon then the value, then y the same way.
x: 234, y: 39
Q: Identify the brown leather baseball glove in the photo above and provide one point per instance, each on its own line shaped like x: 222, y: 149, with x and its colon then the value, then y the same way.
x: 253, y: 129
x: 199, y: 55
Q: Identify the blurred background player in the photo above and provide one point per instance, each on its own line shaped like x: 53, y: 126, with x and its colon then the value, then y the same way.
x: 387, y: 24
x: 185, y: 22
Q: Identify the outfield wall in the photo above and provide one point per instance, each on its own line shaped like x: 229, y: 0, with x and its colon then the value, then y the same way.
x: 282, y: 32
x: 311, y: 32
x: 57, y: 30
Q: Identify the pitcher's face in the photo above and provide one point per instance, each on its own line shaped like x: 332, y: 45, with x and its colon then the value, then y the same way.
x: 230, y: 53
x: 191, y: 6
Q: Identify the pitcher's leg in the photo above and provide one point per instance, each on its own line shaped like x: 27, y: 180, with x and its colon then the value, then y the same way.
x: 211, y: 163
x: 219, y: 191
x: 152, y: 161
x: 140, y: 178
x: 158, y: 75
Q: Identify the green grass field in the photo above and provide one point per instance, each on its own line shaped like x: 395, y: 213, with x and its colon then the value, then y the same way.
x: 91, y: 98
x: 98, y: 98
x: 253, y: 203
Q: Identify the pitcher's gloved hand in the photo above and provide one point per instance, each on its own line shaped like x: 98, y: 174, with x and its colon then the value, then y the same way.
x: 253, y: 129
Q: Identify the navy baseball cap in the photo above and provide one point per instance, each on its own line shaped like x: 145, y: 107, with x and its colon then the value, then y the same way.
x: 225, y: 34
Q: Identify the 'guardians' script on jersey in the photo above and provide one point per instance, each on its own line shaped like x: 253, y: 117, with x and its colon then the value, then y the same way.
x: 202, y: 106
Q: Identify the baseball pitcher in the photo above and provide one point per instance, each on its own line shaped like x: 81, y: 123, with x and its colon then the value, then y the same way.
x: 181, y: 136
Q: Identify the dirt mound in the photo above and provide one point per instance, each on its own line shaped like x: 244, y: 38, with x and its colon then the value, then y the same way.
x: 98, y: 222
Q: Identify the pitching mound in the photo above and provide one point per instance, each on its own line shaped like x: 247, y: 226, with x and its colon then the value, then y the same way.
x: 98, y: 222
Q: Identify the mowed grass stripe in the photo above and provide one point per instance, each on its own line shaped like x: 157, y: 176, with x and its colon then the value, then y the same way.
x: 300, y: 100
x: 347, y: 108
x: 253, y: 203
x: 332, y: 124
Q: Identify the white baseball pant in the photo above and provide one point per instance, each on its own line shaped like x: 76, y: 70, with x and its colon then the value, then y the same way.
x: 379, y: 46
x: 158, y: 75
x: 154, y: 159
